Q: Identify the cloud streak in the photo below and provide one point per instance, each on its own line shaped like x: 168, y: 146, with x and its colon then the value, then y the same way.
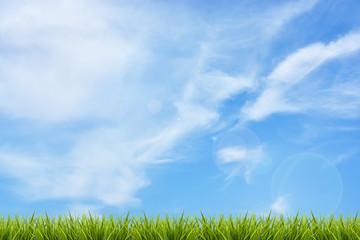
x: 79, y: 62
x: 280, y: 94
x: 67, y: 63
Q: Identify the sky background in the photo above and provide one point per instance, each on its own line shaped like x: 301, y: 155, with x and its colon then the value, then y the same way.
x: 171, y: 106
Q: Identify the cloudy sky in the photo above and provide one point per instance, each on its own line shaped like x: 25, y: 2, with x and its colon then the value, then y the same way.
x: 165, y: 106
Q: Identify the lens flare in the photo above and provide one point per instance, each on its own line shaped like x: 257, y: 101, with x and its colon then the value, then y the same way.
x: 307, y: 181
x: 237, y: 152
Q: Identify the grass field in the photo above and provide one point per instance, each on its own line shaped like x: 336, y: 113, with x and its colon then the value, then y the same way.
x: 182, y: 227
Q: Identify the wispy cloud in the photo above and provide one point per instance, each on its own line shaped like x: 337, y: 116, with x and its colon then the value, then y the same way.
x: 343, y: 128
x: 280, y: 16
x: 296, y: 66
x: 341, y: 100
x: 281, y: 205
x: 281, y: 96
x: 230, y: 155
x: 67, y: 62
x: 239, y: 161
x: 79, y: 62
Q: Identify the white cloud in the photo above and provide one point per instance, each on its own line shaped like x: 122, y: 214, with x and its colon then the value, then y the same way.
x: 280, y: 16
x: 35, y: 172
x: 296, y: 66
x: 102, y: 165
x: 233, y: 154
x: 281, y: 205
x: 67, y: 61
x: 60, y: 54
x: 279, y: 96
x: 92, y: 170
x: 243, y: 161
x: 238, y: 154
x: 341, y: 100
x: 239, y: 171
x: 209, y: 88
x: 270, y: 101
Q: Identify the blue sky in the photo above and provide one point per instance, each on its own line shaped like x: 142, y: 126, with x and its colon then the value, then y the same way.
x: 219, y: 106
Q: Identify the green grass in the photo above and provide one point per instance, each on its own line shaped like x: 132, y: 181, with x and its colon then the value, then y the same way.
x: 197, y: 227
